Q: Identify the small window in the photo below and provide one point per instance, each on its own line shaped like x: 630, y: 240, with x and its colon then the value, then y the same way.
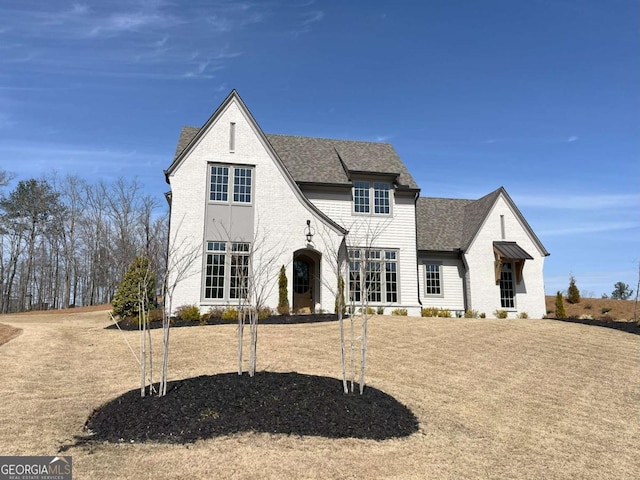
x: 433, y: 284
x: 242, y: 185
x: 361, y: 197
x: 232, y: 137
x: 219, y: 187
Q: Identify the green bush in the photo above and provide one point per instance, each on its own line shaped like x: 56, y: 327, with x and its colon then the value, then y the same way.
x: 501, y: 313
x: 283, y: 293
x: 605, y: 310
x: 265, y: 312
x: 368, y: 310
x: 188, y: 313
x: 560, y: 311
x: 138, y: 279
x: 573, y: 294
x: 230, y: 314
x: 471, y: 314
x: 399, y: 312
x: 380, y: 311
x: 435, y: 312
x: 523, y: 315
x: 483, y: 315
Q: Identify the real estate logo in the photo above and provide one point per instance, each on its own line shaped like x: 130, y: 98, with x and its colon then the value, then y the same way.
x: 36, y: 468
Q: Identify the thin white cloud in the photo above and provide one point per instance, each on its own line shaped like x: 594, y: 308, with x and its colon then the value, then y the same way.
x: 586, y: 228
x: 572, y: 139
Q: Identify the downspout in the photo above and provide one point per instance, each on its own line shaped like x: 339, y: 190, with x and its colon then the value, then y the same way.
x: 415, y: 212
x: 465, y: 283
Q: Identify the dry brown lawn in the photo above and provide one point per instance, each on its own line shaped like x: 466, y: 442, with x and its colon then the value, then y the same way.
x: 616, y: 310
x: 525, y: 399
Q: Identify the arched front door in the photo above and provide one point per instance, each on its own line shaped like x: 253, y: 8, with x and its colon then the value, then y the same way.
x: 303, y: 276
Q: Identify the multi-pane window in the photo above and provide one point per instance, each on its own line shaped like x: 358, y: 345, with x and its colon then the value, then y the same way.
x: 239, y: 277
x: 368, y: 197
x: 220, y: 178
x: 379, y: 269
x: 433, y: 285
x: 507, y: 292
x: 226, y: 272
x: 242, y: 185
x: 361, y: 197
x: 381, y: 198
x: 219, y: 188
x: 391, y: 275
x: 214, y: 270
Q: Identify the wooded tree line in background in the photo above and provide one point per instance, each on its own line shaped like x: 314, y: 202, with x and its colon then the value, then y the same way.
x: 67, y: 242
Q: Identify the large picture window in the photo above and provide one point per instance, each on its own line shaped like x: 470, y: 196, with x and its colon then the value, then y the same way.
x: 371, y: 197
x: 379, y: 270
x: 221, y: 176
x: 226, y: 272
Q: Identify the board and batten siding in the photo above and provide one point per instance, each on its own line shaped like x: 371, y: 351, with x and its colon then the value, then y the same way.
x: 485, y: 296
x: 451, y: 282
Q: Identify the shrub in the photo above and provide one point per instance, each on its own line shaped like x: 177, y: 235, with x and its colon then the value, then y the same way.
x: 400, y: 312
x: 471, y: 314
x: 137, y: 279
x: 435, y: 312
x: 188, y: 313
x: 523, y: 315
x: 605, y: 310
x: 380, y: 311
x: 483, y: 315
x: 560, y: 311
x: 501, y: 313
x: 230, y: 314
x: 265, y: 312
x: 283, y: 293
x: 369, y: 310
x: 155, y: 315
x: 573, y: 294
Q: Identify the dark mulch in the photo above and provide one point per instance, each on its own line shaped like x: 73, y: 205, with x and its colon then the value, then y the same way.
x: 217, y: 405
x: 629, y: 327
x: 273, y: 320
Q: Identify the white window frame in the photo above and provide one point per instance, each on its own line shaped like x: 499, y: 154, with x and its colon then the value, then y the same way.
x: 372, y: 198
x: 233, y: 189
x: 234, y: 279
x: 372, y: 265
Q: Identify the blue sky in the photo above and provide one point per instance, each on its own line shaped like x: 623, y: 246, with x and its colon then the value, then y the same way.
x: 539, y: 96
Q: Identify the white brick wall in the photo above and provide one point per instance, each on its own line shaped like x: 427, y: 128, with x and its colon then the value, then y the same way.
x: 452, y: 297
x: 485, y: 294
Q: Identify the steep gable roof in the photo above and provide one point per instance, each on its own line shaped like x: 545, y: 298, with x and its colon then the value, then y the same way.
x: 450, y: 224
x: 324, y: 160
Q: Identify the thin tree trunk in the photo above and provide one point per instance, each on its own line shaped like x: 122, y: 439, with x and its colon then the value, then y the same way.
x: 363, y: 349
x: 342, y: 352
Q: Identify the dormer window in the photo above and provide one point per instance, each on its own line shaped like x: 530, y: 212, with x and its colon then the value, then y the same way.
x: 371, y: 197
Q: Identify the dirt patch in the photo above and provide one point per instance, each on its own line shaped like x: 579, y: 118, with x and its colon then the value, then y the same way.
x: 601, y: 312
x: 217, y: 405
x: 91, y: 308
x: 8, y: 333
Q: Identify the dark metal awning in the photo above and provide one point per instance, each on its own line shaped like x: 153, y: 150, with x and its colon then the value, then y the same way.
x: 511, y: 251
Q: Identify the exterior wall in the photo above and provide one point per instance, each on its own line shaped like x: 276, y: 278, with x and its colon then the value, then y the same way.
x: 395, y: 231
x: 280, y: 212
x: 485, y: 294
x: 452, y: 278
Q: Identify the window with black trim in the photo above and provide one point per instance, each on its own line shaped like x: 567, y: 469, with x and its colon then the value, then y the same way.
x: 507, y: 290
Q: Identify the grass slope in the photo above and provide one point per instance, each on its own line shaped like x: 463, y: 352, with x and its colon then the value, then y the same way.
x: 524, y: 399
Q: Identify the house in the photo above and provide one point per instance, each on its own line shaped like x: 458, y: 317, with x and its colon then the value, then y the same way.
x: 242, y: 200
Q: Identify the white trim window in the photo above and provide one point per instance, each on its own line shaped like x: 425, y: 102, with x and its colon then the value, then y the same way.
x: 369, y: 264
x: 371, y: 197
x: 433, y: 279
x: 226, y: 272
x: 507, y: 290
x: 221, y: 176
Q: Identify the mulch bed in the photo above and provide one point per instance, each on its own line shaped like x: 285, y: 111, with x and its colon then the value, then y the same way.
x: 280, y: 403
x: 629, y: 326
x: 273, y: 320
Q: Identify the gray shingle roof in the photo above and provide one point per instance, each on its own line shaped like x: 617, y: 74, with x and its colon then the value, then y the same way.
x: 448, y: 224
x: 323, y: 160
